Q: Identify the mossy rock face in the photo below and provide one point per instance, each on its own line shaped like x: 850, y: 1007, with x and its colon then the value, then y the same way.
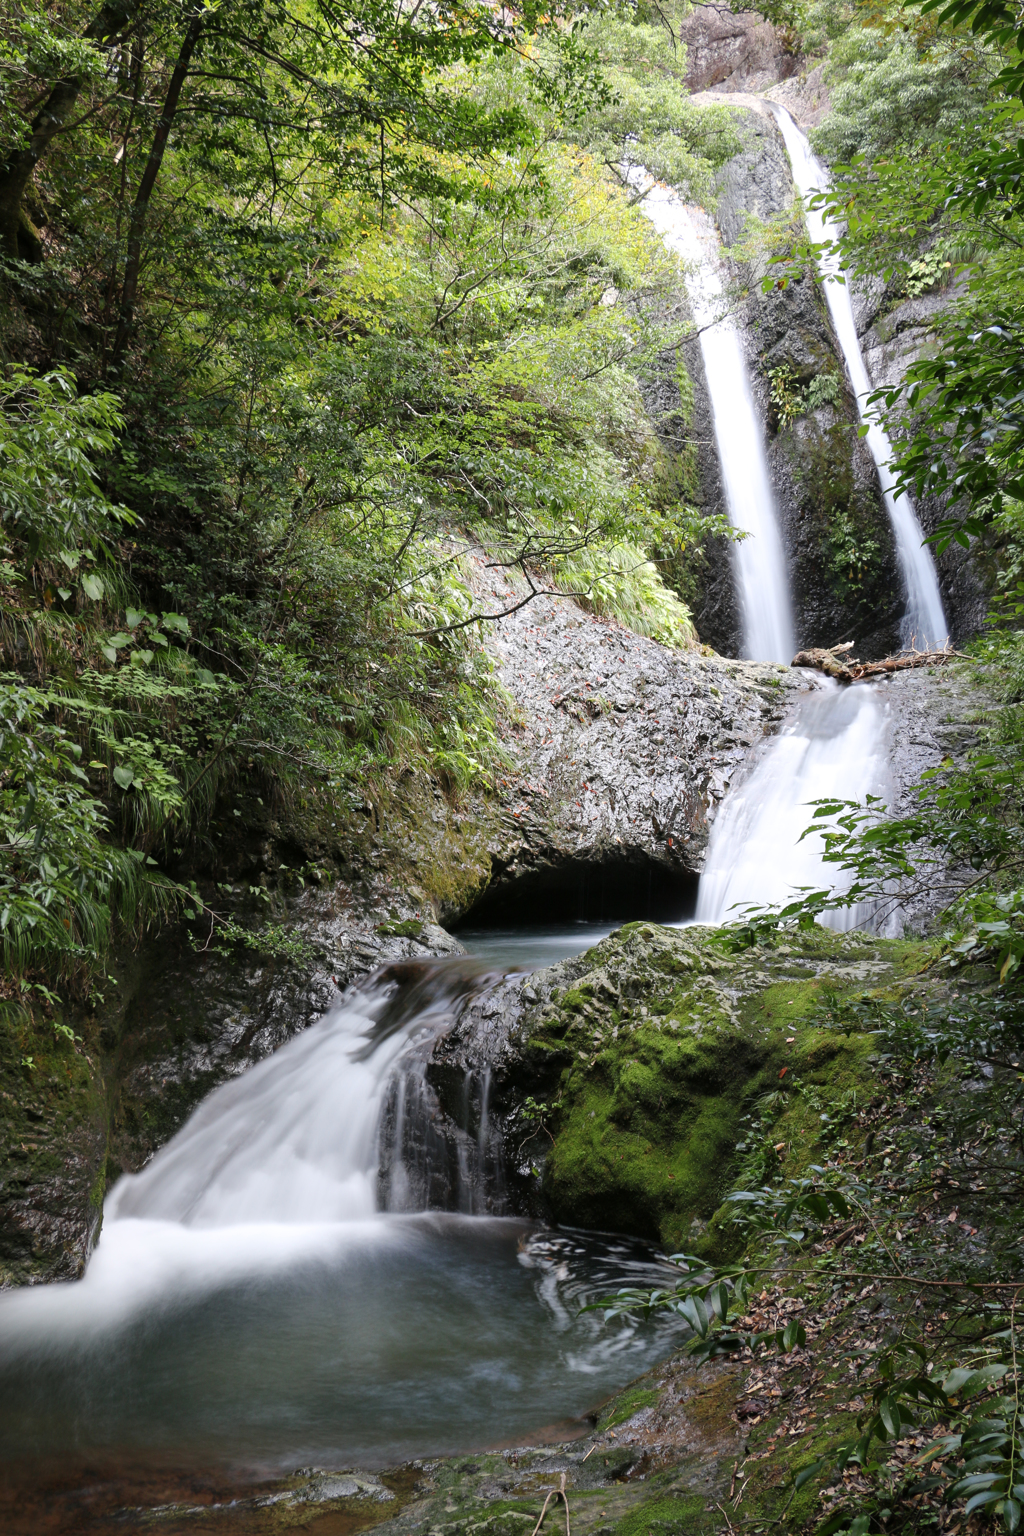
x: 53, y: 1149
x: 660, y: 1045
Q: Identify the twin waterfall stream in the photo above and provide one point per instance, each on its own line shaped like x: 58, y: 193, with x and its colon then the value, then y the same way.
x: 304, y: 1274
x: 833, y: 744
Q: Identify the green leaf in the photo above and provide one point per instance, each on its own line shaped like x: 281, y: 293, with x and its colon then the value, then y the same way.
x: 981, y: 1499
x: 793, y: 1334
x: 696, y: 1314
x: 92, y: 586
x: 124, y: 775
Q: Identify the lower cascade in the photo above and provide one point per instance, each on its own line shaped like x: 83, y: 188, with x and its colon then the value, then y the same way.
x: 272, y: 1288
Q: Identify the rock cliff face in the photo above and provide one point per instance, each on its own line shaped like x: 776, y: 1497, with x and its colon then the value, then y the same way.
x: 620, y: 747
x: 735, y: 51
x: 895, y: 331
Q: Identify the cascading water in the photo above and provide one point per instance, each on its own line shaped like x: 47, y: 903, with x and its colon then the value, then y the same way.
x: 251, y: 1304
x: 924, y: 622
x: 295, y: 1139
x: 760, y: 561
x: 834, y: 741
x: 833, y: 745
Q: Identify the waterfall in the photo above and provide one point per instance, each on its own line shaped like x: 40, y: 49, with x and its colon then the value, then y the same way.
x: 271, y: 1291
x: 833, y: 744
x: 759, y: 559
x: 924, y: 622
x: 297, y: 1138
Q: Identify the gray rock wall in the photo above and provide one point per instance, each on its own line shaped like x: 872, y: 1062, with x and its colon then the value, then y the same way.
x: 735, y: 51
x: 895, y: 332
x: 623, y: 747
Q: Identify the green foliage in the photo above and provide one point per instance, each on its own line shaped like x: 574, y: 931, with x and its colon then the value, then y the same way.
x: 853, y: 553
x: 648, y: 118
x: 299, y: 375
x: 961, y: 1380
x: 624, y: 583
x: 791, y: 398
x: 899, y: 81
x: 57, y: 526
x: 62, y: 885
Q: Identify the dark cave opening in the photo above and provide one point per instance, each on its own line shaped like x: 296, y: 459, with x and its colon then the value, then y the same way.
x: 616, y: 890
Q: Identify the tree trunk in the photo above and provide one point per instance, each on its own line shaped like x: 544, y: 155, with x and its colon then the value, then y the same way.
x: 140, y: 210
x: 17, y: 166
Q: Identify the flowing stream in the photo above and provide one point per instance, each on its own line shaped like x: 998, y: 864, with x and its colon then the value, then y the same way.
x: 319, y: 1267
x: 924, y: 622
x: 270, y: 1291
x: 759, y: 559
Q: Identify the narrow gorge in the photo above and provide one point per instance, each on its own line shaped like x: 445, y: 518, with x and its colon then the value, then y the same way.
x: 510, y: 774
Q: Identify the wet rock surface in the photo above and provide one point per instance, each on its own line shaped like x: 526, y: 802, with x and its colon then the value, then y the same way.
x: 53, y: 1127
x: 177, y: 1021
x: 642, y: 1054
x: 623, y: 747
x: 895, y: 331
x: 191, y: 1021
x: 734, y: 51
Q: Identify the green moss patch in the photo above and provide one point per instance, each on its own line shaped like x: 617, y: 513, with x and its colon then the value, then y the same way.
x: 659, y: 1050
x: 53, y: 1146
x: 625, y: 1405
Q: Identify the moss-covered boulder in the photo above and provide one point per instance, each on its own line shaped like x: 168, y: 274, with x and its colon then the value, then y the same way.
x: 643, y: 1064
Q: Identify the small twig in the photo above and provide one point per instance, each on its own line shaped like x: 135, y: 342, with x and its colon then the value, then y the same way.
x: 213, y: 918
x: 555, y: 1493
x: 544, y: 1511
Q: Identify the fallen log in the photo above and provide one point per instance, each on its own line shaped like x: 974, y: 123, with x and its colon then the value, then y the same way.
x: 847, y: 669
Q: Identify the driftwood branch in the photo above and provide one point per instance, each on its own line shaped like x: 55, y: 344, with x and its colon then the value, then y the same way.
x: 834, y: 662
